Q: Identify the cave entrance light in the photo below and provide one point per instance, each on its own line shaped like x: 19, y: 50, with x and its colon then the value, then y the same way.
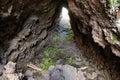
x: 64, y: 18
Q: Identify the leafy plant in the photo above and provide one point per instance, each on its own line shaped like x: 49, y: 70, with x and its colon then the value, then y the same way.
x: 114, y: 38
x: 56, y: 38
x: 111, y: 1
x: 114, y: 3
x: 48, y: 52
x: 52, y: 51
x: 47, y: 63
x: 69, y: 36
x: 56, y: 49
x: 70, y: 60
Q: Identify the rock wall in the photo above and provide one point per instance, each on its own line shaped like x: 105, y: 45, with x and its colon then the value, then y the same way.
x: 95, y: 33
x: 25, y: 27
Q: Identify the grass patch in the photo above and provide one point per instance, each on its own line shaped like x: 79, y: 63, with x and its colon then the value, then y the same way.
x: 69, y: 36
x: 50, y: 55
x: 47, y: 63
x: 69, y: 60
x: 114, y: 38
x: 52, y: 51
x: 111, y: 1
x: 56, y: 38
x: 114, y: 3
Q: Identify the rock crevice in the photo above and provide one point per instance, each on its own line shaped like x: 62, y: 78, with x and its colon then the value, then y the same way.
x: 25, y: 27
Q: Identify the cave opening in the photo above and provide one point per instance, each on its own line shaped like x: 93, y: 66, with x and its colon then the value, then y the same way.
x: 64, y: 25
x: 64, y: 17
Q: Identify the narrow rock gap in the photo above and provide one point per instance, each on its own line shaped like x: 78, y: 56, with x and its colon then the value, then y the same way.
x: 61, y: 56
x: 60, y: 59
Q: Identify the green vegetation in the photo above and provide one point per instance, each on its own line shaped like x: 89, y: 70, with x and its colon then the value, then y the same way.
x: 69, y: 36
x: 52, y: 51
x: 114, y: 38
x: 50, y: 55
x: 70, y: 60
x: 47, y: 63
x: 114, y: 3
x: 56, y: 38
x: 115, y: 10
x: 111, y: 1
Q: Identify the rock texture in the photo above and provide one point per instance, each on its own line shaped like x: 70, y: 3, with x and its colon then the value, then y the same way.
x: 94, y: 32
x: 25, y: 26
x: 8, y: 73
x: 63, y: 72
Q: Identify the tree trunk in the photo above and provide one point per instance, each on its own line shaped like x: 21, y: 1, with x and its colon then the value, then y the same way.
x: 94, y: 32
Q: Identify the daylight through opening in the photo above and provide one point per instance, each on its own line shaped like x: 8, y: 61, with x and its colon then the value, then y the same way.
x: 64, y: 18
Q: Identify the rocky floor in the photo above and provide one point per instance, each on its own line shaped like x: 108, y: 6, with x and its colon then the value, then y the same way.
x: 69, y: 62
